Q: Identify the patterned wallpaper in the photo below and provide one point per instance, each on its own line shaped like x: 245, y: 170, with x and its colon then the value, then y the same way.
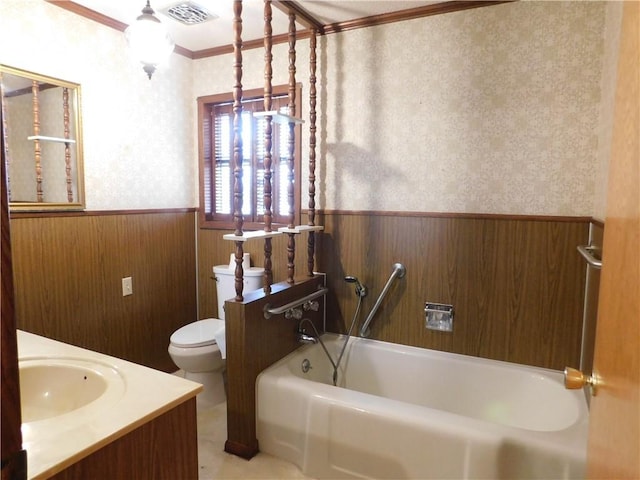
x: 22, y: 179
x: 488, y: 110
x: 138, y: 150
x: 496, y: 109
x: 613, y: 21
x: 491, y: 110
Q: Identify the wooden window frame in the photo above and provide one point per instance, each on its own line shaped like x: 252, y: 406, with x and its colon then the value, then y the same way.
x: 207, y: 215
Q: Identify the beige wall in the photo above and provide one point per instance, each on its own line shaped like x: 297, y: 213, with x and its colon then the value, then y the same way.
x: 611, y: 36
x: 492, y: 110
x: 22, y: 174
x: 486, y: 110
x: 137, y: 133
x: 501, y: 109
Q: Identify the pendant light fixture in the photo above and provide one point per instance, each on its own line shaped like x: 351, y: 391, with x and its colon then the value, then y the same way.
x: 148, y: 40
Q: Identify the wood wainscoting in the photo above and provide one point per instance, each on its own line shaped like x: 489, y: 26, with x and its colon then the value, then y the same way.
x: 68, y: 272
x: 516, y: 283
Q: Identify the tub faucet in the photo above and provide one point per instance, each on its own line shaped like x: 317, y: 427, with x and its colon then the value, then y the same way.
x: 303, y: 336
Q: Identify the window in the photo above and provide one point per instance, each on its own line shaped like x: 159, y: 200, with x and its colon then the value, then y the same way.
x: 216, y: 160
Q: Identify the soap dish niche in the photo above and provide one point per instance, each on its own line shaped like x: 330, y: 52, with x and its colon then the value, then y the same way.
x: 438, y: 316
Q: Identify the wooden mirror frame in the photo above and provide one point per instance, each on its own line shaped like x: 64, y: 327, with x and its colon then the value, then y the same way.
x: 69, y: 155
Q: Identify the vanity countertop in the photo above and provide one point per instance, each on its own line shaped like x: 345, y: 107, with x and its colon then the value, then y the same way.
x: 55, y: 443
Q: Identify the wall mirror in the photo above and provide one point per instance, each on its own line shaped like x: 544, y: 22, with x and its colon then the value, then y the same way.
x: 42, y: 131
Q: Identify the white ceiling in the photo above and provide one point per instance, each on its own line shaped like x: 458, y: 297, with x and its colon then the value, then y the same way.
x: 219, y: 31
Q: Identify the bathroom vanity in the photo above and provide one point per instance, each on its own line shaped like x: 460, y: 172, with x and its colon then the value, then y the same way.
x: 89, y: 415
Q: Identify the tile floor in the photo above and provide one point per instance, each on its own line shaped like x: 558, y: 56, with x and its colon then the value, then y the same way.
x: 215, y: 463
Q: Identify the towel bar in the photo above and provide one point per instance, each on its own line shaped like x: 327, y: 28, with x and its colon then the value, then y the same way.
x: 588, y: 253
x: 269, y: 310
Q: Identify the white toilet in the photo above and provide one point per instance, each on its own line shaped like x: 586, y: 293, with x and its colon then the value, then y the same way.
x: 198, y: 348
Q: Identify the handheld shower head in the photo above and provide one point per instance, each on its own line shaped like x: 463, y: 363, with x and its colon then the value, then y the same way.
x: 361, y: 290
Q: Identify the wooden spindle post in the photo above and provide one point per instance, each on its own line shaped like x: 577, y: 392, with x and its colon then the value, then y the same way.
x: 67, y: 149
x: 35, y: 90
x: 291, y: 244
x: 268, y: 143
x: 312, y: 153
x: 237, y: 145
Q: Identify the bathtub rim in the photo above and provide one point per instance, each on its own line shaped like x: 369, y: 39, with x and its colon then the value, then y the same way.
x: 284, y: 366
x: 278, y: 416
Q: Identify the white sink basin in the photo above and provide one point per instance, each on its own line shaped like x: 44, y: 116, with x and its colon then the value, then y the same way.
x: 54, y: 386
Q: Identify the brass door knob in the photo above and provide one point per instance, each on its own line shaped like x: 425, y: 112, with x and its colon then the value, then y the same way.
x: 574, y: 379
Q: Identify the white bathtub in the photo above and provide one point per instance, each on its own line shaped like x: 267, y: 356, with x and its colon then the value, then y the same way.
x: 405, y: 412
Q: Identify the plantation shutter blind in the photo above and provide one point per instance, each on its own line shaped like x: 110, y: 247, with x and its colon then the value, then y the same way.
x: 219, y: 162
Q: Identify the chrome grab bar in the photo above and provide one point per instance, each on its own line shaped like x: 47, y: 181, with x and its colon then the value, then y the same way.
x: 269, y: 311
x: 399, y: 271
x: 588, y: 253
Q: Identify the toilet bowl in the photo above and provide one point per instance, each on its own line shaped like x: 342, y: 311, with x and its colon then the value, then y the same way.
x: 198, y: 348
x: 193, y: 348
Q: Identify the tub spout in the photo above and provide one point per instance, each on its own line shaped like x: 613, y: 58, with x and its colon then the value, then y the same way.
x: 304, y: 338
x: 399, y: 271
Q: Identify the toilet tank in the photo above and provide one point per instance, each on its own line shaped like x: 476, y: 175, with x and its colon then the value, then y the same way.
x: 226, y: 283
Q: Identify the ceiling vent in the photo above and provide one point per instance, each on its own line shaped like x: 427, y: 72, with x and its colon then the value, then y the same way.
x: 188, y: 13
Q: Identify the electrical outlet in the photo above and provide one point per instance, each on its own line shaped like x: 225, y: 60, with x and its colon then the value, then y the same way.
x: 127, y: 286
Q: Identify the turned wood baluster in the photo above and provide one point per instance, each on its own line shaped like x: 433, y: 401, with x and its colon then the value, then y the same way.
x: 5, y: 135
x: 67, y: 149
x: 312, y: 152
x: 36, y: 143
x: 291, y: 244
x: 237, y: 144
x: 268, y: 143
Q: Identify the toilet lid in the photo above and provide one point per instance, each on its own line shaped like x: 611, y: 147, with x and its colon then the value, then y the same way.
x: 198, y: 334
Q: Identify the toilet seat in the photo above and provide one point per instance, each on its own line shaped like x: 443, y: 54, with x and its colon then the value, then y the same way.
x: 197, y: 334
